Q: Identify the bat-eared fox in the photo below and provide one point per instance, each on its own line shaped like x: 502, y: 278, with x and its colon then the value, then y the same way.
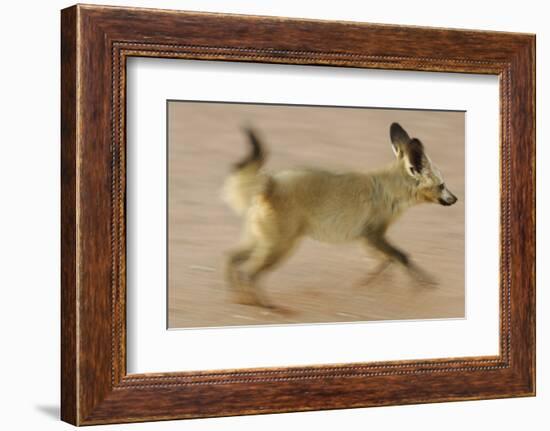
x: 281, y: 208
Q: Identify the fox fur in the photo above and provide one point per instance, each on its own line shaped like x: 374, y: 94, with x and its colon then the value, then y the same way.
x: 281, y: 208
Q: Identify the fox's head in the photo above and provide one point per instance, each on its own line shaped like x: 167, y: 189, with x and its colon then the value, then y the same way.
x: 417, y: 164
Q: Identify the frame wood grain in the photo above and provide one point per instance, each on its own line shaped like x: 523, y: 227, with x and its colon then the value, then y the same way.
x: 95, y: 43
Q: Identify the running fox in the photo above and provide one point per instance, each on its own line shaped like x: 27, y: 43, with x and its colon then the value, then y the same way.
x: 279, y: 209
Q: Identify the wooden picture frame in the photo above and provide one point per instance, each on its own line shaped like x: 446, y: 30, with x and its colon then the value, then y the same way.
x: 95, y: 43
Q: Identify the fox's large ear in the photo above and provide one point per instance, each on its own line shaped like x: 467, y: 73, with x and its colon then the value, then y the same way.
x: 411, y: 150
x: 414, y: 157
x: 399, y: 139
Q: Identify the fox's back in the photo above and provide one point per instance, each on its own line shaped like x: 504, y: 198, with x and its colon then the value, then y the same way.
x: 332, y: 206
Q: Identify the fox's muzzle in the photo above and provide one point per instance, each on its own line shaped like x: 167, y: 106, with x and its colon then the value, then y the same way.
x: 448, y: 200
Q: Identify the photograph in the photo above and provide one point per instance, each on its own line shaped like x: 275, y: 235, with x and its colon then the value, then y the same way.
x: 284, y: 214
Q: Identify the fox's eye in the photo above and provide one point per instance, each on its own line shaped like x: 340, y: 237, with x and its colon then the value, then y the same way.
x: 441, y: 186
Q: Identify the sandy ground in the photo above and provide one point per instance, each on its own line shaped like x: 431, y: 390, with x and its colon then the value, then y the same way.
x: 319, y: 283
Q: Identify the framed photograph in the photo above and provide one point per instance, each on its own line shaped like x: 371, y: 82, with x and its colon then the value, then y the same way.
x: 263, y: 214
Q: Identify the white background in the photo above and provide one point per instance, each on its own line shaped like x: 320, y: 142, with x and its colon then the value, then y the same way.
x: 151, y: 348
x: 29, y: 216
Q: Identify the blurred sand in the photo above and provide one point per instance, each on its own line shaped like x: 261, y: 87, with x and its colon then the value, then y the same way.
x: 317, y: 283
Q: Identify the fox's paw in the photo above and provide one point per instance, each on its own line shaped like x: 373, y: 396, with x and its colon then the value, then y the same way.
x: 422, y: 277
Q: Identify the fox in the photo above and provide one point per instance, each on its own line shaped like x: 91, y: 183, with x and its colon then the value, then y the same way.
x: 279, y: 209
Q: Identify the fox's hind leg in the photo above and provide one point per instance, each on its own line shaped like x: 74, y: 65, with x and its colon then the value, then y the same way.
x: 273, y: 243
x: 271, y: 233
x: 235, y: 258
x: 263, y: 258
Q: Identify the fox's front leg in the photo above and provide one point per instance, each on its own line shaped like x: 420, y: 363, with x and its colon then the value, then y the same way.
x: 380, y: 243
x: 389, y: 254
x: 376, y: 273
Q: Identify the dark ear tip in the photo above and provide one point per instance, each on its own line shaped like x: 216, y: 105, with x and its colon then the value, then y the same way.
x: 247, y: 128
x: 395, y: 126
x: 396, y: 130
x: 398, y: 135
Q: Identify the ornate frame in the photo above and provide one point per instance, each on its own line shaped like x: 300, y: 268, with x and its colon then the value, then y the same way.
x: 95, y: 43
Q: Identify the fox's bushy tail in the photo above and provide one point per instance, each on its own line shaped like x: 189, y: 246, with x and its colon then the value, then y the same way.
x: 246, y: 180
